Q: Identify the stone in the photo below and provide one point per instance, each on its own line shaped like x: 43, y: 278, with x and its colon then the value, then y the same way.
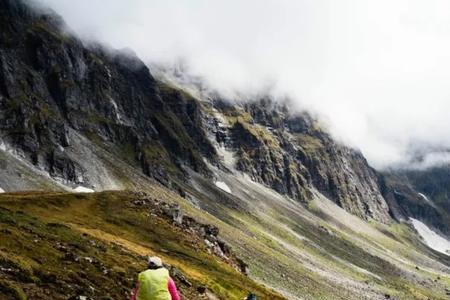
x: 201, y: 289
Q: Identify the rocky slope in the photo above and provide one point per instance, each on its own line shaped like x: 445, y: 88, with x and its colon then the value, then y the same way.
x: 421, y: 194
x: 53, y: 88
x: 292, y: 154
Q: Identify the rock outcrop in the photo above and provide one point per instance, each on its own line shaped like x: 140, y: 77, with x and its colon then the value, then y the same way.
x: 292, y: 154
x: 420, y: 194
x: 207, y: 233
x: 52, y: 84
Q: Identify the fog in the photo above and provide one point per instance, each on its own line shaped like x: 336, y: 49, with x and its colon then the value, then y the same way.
x: 377, y: 72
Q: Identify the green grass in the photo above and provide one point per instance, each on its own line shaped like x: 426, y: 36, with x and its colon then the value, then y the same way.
x: 309, y: 143
x: 43, y: 232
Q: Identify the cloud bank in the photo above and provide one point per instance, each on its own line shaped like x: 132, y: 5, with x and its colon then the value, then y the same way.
x: 376, y: 71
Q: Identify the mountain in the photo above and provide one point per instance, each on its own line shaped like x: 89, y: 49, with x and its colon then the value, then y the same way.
x: 422, y: 194
x: 308, y: 215
x: 56, y: 93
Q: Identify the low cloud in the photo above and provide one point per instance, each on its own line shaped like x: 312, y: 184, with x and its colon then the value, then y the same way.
x: 430, y: 160
x: 376, y: 71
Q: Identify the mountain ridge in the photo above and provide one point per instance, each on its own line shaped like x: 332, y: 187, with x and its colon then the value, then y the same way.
x: 112, y: 98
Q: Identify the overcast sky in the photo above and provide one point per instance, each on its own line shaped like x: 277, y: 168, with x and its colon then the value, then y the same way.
x: 377, y: 71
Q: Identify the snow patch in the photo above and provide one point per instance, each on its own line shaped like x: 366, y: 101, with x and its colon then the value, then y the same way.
x: 223, y: 186
x: 426, y: 199
x: 431, y: 238
x: 82, y: 189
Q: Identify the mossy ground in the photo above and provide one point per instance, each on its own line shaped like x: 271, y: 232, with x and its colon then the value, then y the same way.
x: 57, y: 245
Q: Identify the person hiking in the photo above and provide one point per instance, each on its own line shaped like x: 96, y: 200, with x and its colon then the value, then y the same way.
x: 250, y: 297
x: 155, y: 283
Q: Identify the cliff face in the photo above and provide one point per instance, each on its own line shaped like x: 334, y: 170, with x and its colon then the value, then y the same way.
x: 51, y: 84
x: 420, y: 194
x: 55, y: 92
x: 292, y: 154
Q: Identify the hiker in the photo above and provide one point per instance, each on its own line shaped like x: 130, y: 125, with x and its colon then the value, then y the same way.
x: 250, y: 297
x: 155, y: 283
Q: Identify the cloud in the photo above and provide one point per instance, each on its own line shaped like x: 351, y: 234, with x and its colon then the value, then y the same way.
x: 376, y: 71
x: 431, y: 159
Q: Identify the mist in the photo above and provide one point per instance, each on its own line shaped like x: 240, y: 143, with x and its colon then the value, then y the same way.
x: 376, y: 72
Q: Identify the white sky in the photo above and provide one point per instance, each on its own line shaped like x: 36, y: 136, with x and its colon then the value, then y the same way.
x: 377, y: 71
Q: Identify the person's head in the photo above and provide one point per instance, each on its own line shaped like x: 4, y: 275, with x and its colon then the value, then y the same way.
x: 251, y: 296
x: 154, y: 262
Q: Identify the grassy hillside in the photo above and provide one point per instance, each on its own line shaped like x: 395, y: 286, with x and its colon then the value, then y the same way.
x: 58, y: 245
x: 321, y: 251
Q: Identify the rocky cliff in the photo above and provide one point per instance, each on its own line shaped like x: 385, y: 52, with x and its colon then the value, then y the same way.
x: 293, y: 154
x: 53, y: 87
x: 56, y: 91
x: 421, y: 194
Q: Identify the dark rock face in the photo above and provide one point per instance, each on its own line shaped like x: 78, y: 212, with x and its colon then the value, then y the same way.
x: 434, y: 183
x: 291, y: 154
x: 402, y: 187
x: 50, y: 82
